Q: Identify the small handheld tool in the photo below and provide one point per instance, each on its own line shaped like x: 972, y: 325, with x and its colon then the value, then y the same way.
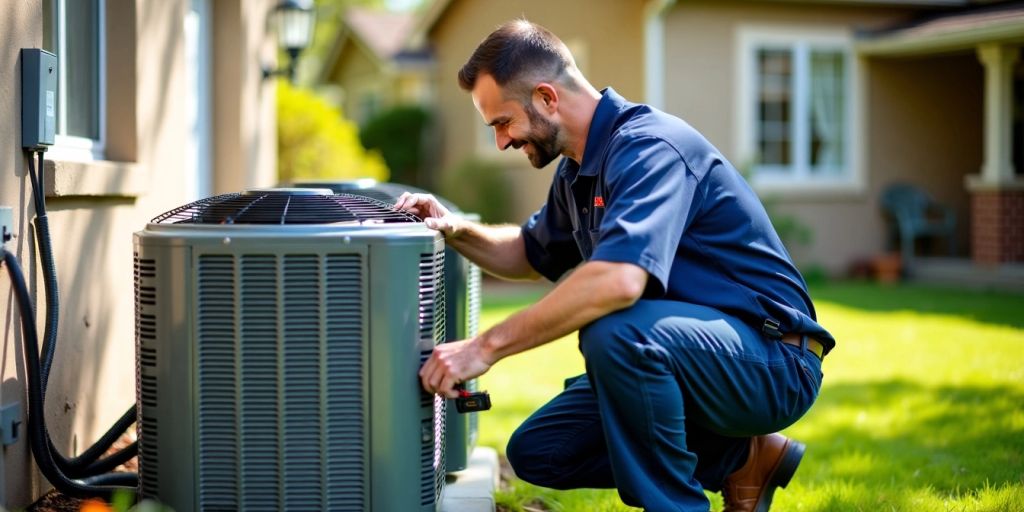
x: 471, y: 401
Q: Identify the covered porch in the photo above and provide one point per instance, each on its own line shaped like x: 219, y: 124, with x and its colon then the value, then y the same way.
x: 988, y: 194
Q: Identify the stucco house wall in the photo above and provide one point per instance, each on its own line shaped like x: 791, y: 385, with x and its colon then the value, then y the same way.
x: 95, y: 206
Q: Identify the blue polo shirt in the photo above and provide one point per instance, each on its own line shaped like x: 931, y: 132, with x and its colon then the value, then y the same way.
x: 652, y: 191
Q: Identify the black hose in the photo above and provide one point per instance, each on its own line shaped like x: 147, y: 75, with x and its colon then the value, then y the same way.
x: 87, y: 463
x: 99, y: 468
x: 114, y: 479
x: 80, y: 465
x: 45, y: 246
x: 38, y: 439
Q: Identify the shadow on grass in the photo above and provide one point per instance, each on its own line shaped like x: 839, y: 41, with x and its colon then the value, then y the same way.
x: 989, y: 307
x: 947, y: 439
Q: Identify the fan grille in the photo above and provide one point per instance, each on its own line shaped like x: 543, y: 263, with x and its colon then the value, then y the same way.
x: 271, y: 207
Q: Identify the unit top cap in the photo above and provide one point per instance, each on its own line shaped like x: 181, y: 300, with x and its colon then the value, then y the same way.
x: 286, y: 206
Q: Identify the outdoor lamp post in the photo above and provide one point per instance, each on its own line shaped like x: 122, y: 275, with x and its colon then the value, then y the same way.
x: 294, y: 22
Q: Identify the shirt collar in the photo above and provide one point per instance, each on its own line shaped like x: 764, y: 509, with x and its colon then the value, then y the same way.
x: 608, y: 110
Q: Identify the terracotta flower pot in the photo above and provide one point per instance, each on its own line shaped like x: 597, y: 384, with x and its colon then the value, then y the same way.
x: 888, y: 268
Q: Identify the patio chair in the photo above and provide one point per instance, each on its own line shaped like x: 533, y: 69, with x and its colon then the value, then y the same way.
x: 918, y: 215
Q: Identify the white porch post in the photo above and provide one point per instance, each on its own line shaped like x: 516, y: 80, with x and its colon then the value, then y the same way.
x: 998, y: 60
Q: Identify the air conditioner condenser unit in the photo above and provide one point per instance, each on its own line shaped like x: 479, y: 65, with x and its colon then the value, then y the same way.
x: 462, y: 307
x: 278, y: 337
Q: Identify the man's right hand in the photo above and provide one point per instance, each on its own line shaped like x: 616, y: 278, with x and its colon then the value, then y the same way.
x: 433, y: 213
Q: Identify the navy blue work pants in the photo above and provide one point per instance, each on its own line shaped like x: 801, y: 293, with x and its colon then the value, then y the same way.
x: 672, y: 394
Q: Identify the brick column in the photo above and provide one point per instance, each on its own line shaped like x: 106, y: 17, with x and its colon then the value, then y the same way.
x: 997, y: 193
x: 997, y: 226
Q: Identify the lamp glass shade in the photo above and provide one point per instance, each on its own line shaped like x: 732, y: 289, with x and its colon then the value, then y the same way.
x: 294, y: 25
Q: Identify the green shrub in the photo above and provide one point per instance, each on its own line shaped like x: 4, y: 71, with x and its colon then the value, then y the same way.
x: 479, y: 186
x: 315, y: 141
x: 399, y: 134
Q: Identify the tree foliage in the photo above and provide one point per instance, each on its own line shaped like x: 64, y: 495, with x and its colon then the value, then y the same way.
x: 399, y: 134
x: 315, y: 141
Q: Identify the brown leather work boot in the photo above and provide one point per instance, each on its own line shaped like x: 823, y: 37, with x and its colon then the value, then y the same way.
x: 773, y: 460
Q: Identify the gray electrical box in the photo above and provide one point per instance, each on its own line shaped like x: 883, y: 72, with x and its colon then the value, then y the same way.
x: 38, y: 98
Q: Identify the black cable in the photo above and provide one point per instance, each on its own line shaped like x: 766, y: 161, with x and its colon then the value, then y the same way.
x: 45, y: 247
x: 108, y: 464
x: 36, y: 423
x: 87, y: 463
x: 80, y: 465
x: 114, y: 480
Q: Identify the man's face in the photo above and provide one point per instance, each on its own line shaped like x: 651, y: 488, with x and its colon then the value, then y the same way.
x: 517, y: 125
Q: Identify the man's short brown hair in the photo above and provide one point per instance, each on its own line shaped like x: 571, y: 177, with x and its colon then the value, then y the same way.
x: 519, y: 55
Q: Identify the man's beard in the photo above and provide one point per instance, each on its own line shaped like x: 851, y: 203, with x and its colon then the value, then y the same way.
x: 543, y: 137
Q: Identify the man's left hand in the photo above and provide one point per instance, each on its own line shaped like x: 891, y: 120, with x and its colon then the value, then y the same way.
x: 453, y: 363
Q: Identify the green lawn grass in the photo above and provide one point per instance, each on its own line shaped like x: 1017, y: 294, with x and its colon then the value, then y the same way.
x: 922, y: 406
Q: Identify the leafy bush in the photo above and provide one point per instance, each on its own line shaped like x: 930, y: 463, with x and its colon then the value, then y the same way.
x: 399, y: 134
x: 315, y: 141
x: 479, y: 186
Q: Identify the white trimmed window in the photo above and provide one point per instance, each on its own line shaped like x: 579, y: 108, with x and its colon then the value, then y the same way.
x: 797, y: 108
x: 74, y: 31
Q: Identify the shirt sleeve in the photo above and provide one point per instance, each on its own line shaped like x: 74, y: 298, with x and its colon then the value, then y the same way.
x: 648, y: 196
x: 547, y: 235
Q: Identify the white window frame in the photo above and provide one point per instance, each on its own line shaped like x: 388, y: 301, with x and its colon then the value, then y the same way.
x: 197, y: 29
x: 797, y: 177
x: 68, y: 147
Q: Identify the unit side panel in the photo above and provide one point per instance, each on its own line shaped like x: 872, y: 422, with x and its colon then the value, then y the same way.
x: 474, y: 300
x: 462, y: 295
x: 163, y: 379
x: 407, y: 443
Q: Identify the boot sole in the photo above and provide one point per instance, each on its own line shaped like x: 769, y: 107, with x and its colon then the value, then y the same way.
x: 782, y: 474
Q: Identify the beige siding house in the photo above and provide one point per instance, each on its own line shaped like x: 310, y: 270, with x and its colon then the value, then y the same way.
x: 371, y: 65
x: 822, y: 103
x: 741, y: 69
x: 608, y: 47
x: 162, y: 102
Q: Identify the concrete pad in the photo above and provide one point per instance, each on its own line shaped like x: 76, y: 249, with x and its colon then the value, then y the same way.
x: 472, y: 489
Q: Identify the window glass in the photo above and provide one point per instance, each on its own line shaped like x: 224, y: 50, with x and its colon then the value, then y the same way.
x: 775, y: 69
x: 800, y: 122
x: 82, y: 68
x: 72, y: 30
x: 827, y: 117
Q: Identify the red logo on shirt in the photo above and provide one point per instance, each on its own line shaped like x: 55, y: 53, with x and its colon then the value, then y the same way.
x: 598, y: 202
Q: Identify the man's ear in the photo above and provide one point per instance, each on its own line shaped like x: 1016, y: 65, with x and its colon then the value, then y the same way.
x: 546, y: 97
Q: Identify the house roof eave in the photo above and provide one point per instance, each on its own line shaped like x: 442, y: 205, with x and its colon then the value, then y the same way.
x: 897, y: 45
x: 426, y: 22
x: 950, y: 32
x: 331, y: 62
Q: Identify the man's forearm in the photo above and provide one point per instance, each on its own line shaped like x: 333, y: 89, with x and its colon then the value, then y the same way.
x: 498, y: 250
x: 594, y: 290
